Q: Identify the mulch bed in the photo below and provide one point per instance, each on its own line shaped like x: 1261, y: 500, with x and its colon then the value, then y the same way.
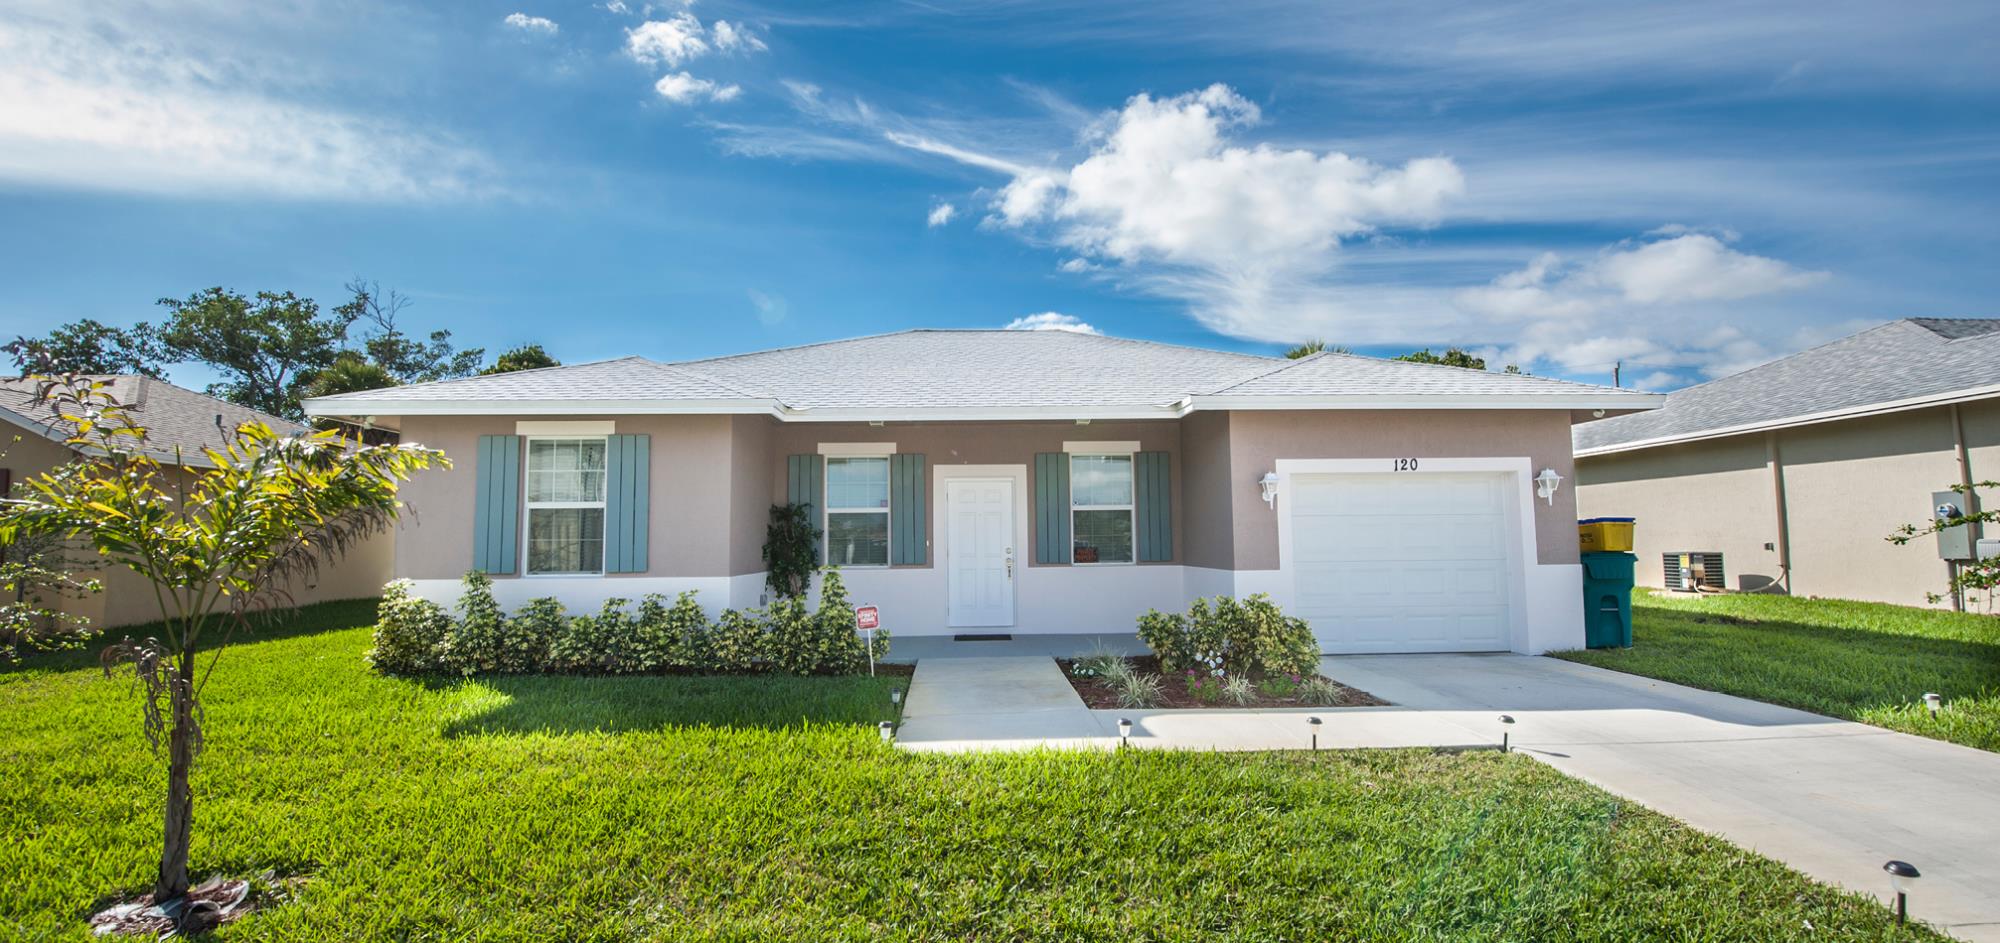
x: 1174, y: 693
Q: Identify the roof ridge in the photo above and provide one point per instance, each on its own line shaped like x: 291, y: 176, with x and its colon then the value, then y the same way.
x: 1289, y: 363
x: 731, y: 387
x: 965, y: 330
x: 774, y: 350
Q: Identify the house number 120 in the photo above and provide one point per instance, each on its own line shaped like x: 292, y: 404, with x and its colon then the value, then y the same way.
x: 1406, y: 464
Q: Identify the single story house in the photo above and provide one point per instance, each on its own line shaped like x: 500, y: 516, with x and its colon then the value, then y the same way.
x: 1795, y: 472
x: 180, y: 424
x: 1018, y: 482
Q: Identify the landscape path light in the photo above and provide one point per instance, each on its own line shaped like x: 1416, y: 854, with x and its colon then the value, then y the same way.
x: 888, y: 731
x: 1902, y: 876
x: 1933, y: 700
x: 1313, y: 723
x: 1124, y: 732
x: 895, y: 697
x: 1506, y: 723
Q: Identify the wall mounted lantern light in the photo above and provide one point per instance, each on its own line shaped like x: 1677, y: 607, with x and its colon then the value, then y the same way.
x: 1546, y: 484
x: 1268, y: 485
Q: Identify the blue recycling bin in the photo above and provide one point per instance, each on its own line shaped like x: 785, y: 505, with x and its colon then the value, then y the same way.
x: 1607, y: 599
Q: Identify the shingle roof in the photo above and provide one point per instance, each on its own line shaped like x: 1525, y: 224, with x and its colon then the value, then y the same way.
x: 173, y: 417
x: 1901, y: 360
x: 973, y: 371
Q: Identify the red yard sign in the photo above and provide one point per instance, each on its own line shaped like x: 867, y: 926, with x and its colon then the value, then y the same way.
x: 866, y: 617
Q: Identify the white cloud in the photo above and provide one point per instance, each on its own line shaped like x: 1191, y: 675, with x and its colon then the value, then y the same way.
x: 732, y: 37
x: 123, y: 97
x: 1244, y: 233
x: 1051, y: 321
x: 940, y: 215
x: 616, y: 6
x: 531, y: 24
x: 1682, y: 268
x: 670, y: 41
x: 771, y: 309
x: 683, y: 89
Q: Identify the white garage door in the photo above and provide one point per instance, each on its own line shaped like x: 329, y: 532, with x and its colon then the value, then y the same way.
x: 1403, y: 563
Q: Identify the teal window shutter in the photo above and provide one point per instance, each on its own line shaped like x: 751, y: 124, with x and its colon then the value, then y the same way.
x: 908, y: 536
x: 628, y: 466
x: 496, y: 518
x: 805, y: 481
x: 1153, y: 506
x: 1052, y: 544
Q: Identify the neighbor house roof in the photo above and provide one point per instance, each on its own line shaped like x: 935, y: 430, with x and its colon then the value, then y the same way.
x: 979, y: 374
x: 179, y: 422
x: 1901, y: 365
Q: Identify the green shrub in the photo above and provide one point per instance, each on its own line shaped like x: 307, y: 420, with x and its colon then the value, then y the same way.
x: 820, y: 641
x: 1251, y: 638
x: 1321, y: 692
x: 478, y: 642
x: 1238, y: 691
x: 737, y: 642
x: 1098, y: 663
x: 1135, y: 690
x: 653, y: 641
x: 608, y: 642
x: 694, y: 644
x: 533, y: 630
x: 409, y: 632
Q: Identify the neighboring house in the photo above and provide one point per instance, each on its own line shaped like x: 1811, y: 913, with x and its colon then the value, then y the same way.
x: 1797, y: 471
x: 179, y: 424
x: 1017, y: 482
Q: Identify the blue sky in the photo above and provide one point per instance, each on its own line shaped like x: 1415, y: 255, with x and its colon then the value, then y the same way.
x: 1690, y: 187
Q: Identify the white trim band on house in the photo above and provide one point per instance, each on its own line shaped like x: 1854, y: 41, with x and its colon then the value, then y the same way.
x: 857, y: 449
x: 569, y: 427
x: 1109, y: 447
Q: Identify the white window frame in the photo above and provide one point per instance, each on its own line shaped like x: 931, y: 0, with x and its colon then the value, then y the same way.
x: 1131, y: 508
x: 827, y: 510
x: 529, y: 506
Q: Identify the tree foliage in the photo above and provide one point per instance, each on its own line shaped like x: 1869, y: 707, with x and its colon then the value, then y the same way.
x: 524, y: 357
x: 791, y: 549
x: 267, y: 348
x: 1312, y: 347
x: 1452, y: 357
x: 215, y: 547
x: 90, y: 347
x: 405, y: 358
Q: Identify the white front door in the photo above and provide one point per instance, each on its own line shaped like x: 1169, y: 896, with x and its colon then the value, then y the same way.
x: 1404, y: 562
x: 979, y: 550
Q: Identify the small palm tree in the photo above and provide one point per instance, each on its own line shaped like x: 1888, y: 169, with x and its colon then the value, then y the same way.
x: 1312, y: 347
x: 216, y: 546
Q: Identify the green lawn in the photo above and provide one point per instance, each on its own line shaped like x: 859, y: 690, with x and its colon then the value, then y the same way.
x: 758, y: 808
x: 1864, y: 661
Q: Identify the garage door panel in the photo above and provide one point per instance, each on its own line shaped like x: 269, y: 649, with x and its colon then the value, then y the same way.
x: 1396, y: 563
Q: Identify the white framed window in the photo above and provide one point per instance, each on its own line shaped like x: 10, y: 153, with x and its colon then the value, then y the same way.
x: 564, y: 530
x: 1100, y: 508
x: 857, y: 510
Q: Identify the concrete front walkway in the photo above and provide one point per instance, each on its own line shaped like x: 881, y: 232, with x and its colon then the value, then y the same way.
x: 1831, y: 798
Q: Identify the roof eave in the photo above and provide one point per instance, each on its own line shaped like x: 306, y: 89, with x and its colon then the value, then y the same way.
x: 335, y: 408
x: 1559, y: 401
x: 1808, y: 419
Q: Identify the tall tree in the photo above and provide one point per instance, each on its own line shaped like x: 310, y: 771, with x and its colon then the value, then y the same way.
x: 88, y: 346
x: 405, y: 358
x: 349, y: 373
x: 216, y: 548
x: 266, y: 348
x: 524, y: 357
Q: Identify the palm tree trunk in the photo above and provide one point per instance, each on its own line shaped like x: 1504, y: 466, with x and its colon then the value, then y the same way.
x: 173, y: 880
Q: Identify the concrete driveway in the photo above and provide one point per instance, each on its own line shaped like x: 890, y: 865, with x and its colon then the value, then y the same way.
x: 1831, y: 798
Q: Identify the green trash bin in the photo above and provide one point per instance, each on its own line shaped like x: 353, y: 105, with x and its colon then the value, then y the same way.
x: 1607, y: 599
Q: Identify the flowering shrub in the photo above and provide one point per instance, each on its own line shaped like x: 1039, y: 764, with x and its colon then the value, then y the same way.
x: 1224, y: 637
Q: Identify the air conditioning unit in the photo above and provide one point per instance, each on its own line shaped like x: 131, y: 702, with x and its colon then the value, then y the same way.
x: 1692, y: 570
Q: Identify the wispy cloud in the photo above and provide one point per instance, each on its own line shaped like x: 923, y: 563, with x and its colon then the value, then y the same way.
x: 940, y: 215
x: 771, y: 309
x: 117, y: 96
x: 684, y: 89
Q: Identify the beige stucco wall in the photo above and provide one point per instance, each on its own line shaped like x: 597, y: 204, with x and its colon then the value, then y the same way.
x: 1710, y: 496
x: 1258, y: 439
x: 981, y: 443
x: 1848, y: 485
x: 1208, y: 490
x: 689, y: 530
